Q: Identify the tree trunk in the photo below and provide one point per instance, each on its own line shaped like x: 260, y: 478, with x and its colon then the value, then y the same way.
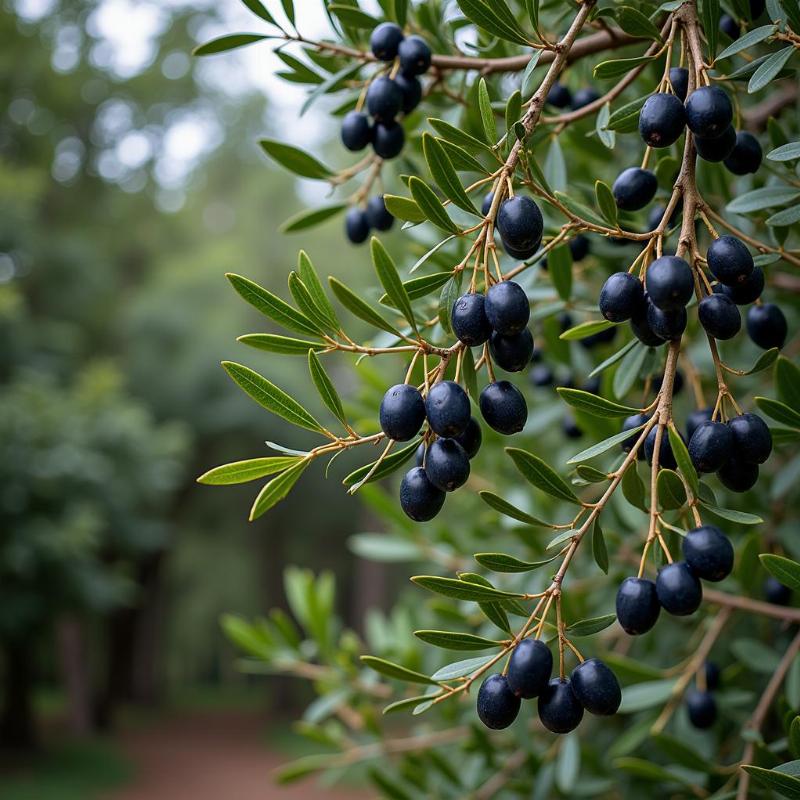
x: 75, y: 671
x: 17, y: 729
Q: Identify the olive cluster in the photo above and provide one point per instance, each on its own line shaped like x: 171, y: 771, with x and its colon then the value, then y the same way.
x: 592, y: 686
x: 707, y: 554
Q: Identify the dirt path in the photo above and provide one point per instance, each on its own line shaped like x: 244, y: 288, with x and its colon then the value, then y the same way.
x: 211, y: 755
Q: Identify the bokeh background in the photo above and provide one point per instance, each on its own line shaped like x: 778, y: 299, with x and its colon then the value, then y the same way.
x: 130, y: 182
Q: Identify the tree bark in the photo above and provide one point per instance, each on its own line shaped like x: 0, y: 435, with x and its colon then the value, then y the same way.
x: 76, y: 674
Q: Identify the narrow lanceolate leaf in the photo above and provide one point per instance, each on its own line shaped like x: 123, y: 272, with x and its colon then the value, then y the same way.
x: 671, y: 493
x: 276, y: 490
x: 327, y: 391
x: 305, y: 303
x: 311, y: 217
x: 606, y: 444
x: 620, y: 118
x: 387, y: 466
x: 710, y: 14
x: 353, y: 17
x: 509, y: 510
x: 493, y: 16
x: 769, y: 69
x: 612, y: 359
x: 560, y: 268
x: 502, y: 562
x: 747, y: 40
x: 740, y: 517
x: 784, y: 569
x: 541, y: 475
x: 454, y: 640
x: 759, y: 199
x: 312, y: 282
x: 430, y: 205
x: 684, y: 461
x: 458, y: 669
x: 396, y: 671
x: 527, y: 87
x: 587, y: 627
x: 487, y: 114
x: 787, y: 378
x: 628, y: 370
x: 249, y: 470
x: 594, y: 404
x: 784, y: 785
x: 295, y: 160
x: 619, y: 66
x: 585, y: 329
x: 272, y: 306
x: 259, y: 10
x: 403, y: 208
x: 406, y: 702
x: 579, y: 209
x: 789, y: 216
x: 457, y: 136
x: 419, y: 287
x: 271, y: 397
x: 460, y: 158
x: 632, y: 21
x: 230, y: 42
x: 462, y: 590
x: 444, y: 173
x: 599, y: 550
x: 390, y: 280
x: 786, y: 152
x: 780, y: 412
x: 285, y: 345
x: 363, y: 310
x: 331, y: 84
x: 606, y: 203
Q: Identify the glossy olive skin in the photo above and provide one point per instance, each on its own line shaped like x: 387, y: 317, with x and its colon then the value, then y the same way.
x: 719, y: 316
x: 384, y: 99
x: 411, y: 90
x: 766, y: 326
x: 596, y: 687
x: 708, y: 111
x: 511, y: 353
x: 471, y: 438
x: 356, y: 225
x: 746, y: 156
x: 579, y: 247
x: 662, y: 119
x: 696, y: 418
x: 498, y: 706
x: 630, y: 423
x: 415, y: 55
x: 679, y: 590
x: 469, y: 321
x: 507, y: 307
x: 447, y: 407
x: 529, y: 668
x: 702, y: 708
x: 679, y: 78
x: 447, y: 465
x: 708, y: 552
x: 402, y: 412
x: 385, y: 40
x: 634, y: 188
x: 752, y: 439
x: 356, y: 131
x: 642, y: 331
x: 716, y: 148
x: 729, y: 260
x: 519, y: 222
x: 738, y: 476
x: 503, y: 407
x: 711, y: 446
x: 637, y: 605
x: 666, y: 458
x: 378, y: 215
x: 419, y: 498
x: 746, y: 292
x: 560, y: 711
x: 621, y: 297
x: 388, y: 139
x: 670, y: 283
x: 667, y: 325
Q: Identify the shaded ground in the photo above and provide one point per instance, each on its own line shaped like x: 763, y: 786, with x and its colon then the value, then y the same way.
x: 209, y: 754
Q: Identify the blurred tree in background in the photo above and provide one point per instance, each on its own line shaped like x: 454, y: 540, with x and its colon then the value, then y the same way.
x: 113, y: 242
